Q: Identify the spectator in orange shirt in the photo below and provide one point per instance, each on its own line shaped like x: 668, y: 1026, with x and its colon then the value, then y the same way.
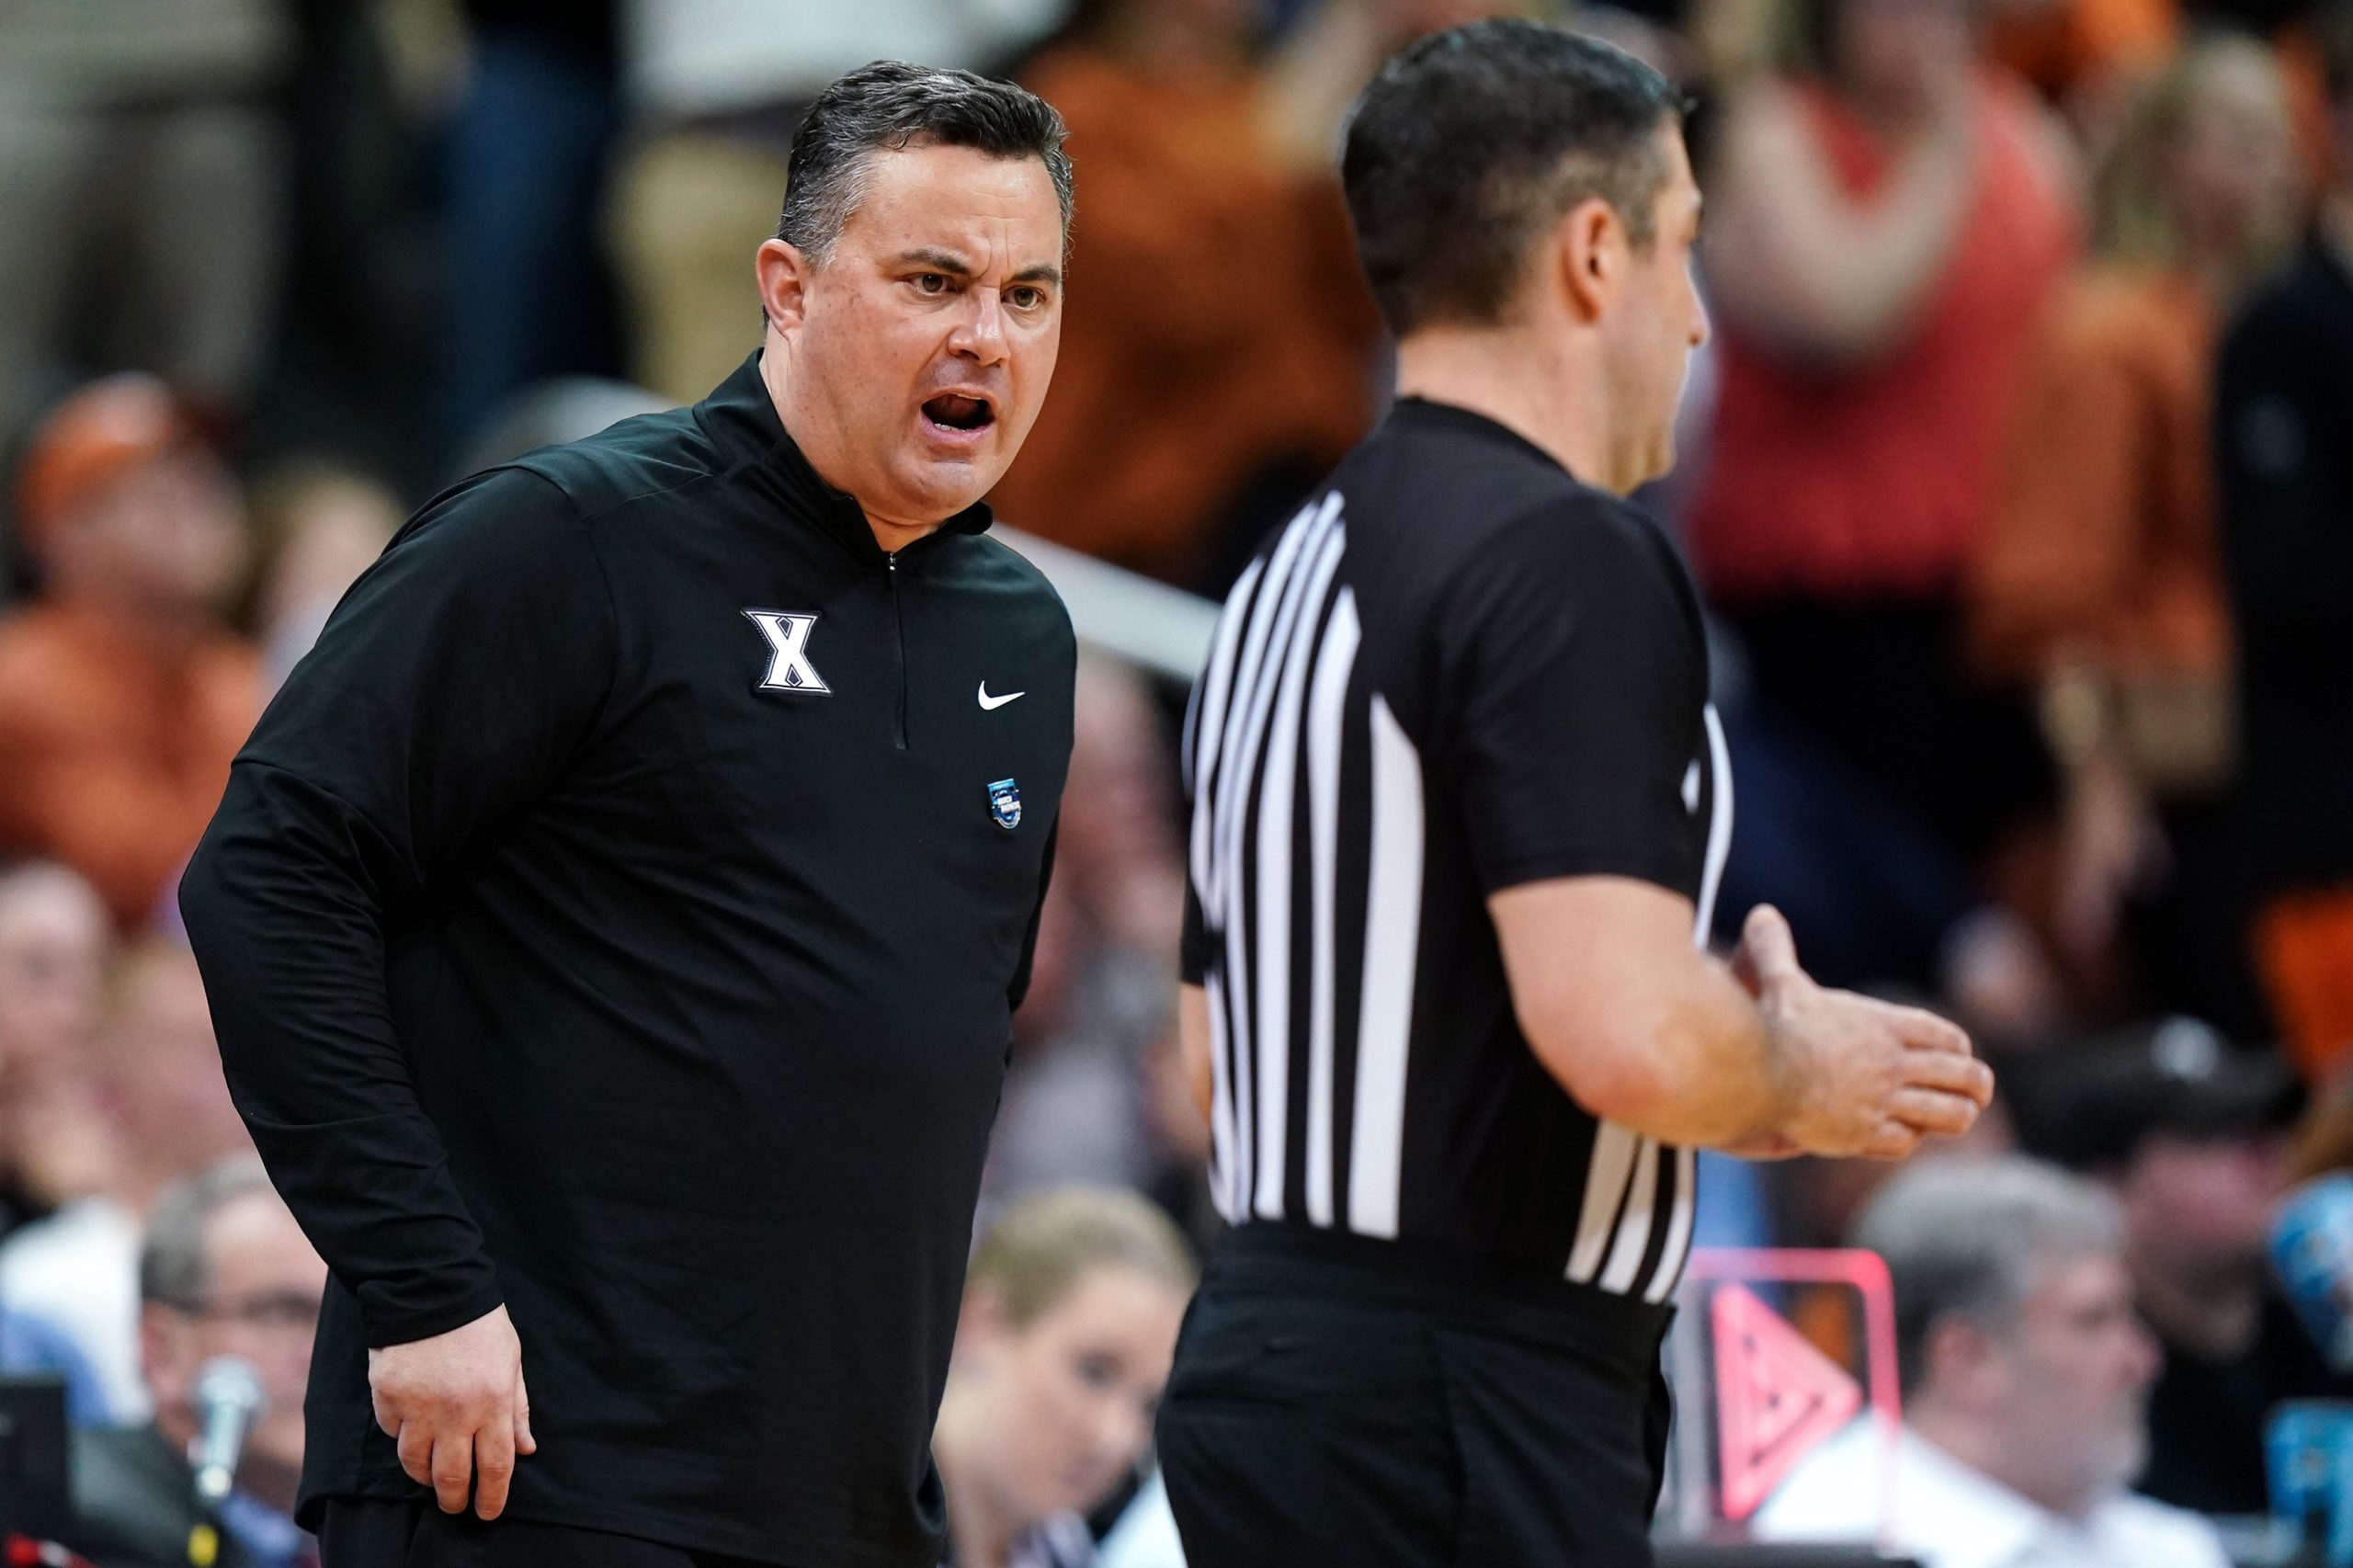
x: 2098, y: 579
x: 1216, y: 357
x: 2075, y: 50
x: 122, y: 695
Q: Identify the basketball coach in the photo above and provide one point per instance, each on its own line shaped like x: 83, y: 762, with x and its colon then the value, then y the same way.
x: 1459, y: 805
x: 613, y: 926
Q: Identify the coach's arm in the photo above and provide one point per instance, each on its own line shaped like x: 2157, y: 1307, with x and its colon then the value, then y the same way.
x: 448, y: 689
x: 1648, y: 1031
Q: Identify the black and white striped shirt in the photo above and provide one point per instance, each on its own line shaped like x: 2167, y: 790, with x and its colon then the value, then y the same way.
x: 1457, y: 670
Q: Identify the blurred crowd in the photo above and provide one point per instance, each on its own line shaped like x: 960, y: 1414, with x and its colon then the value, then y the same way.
x: 2018, y: 477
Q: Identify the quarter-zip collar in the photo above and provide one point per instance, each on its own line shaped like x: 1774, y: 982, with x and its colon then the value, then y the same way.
x: 740, y: 420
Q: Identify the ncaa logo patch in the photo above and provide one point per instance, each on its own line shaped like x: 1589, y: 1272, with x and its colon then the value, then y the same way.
x: 1005, y: 803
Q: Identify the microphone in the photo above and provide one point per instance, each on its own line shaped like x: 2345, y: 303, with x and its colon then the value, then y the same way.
x: 228, y: 1402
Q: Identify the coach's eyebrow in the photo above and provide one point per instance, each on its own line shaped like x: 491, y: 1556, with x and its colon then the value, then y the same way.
x: 938, y: 260
x: 956, y: 266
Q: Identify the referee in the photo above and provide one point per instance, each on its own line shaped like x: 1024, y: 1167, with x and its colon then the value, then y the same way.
x: 613, y: 926
x: 1459, y: 807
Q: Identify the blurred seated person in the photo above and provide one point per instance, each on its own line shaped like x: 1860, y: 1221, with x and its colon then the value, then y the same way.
x: 55, y: 945
x: 2191, y: 1135
x: 158, y: 1072
x: 1886, y: 222
x: 1117, y: 837
x: 1071, y: 1311
x: 317, y: 526
x: 1103, y: 989
x: 2283, y: 405
x: 2099, y: 580
x: 1219, y: 359
x: 53, y: 1145
x: 122, y: 695
x: 224, y: 1271
x: 2025, y: 1374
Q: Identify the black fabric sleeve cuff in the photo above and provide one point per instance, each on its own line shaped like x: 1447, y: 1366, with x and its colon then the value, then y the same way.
x: 1193, y: 959
x: 1544, y: 864
x: 1196, y: 949
x: 413, y: 1315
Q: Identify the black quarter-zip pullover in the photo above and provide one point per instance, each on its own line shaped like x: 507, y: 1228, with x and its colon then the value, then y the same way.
x: 618, y: 916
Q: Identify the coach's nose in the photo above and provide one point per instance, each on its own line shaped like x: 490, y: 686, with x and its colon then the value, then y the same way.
x: 980, y: 328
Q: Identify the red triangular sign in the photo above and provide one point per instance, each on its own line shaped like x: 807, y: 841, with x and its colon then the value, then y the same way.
x: 1776, y: 1397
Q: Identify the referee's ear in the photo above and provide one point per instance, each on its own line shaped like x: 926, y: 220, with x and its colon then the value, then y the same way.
x: 1590, y: 255
x: 783, y: 275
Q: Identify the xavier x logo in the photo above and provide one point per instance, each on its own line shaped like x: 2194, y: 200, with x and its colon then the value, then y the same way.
x: 789, y: 665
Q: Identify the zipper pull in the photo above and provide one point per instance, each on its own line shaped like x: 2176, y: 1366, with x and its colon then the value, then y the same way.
x: 891, y: 562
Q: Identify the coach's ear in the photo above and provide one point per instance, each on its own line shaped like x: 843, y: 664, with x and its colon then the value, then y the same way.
x: 1589, y: 248
x: 783, y: 273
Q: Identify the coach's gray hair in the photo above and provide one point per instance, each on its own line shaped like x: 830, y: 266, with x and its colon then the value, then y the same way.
x: 1970, y: 1238
x: 172, y: 1267
x: 888, y: 105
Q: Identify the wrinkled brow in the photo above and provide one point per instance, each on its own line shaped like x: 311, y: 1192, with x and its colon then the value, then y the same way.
x: 956, y: 266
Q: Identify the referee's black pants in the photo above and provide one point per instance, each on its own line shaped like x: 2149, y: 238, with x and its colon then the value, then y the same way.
x: 371, y: 1532
x: 1340, y: 1402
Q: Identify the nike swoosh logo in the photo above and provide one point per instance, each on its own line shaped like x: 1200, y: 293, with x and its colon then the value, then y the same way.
x: 990, y: 704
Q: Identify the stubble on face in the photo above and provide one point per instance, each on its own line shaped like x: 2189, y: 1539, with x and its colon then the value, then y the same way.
x: 2087, y: 1365
x: 1670, y: 321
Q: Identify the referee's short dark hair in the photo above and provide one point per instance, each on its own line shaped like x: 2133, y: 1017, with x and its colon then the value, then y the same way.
x: 888, y: 105
x: 1474, y: 141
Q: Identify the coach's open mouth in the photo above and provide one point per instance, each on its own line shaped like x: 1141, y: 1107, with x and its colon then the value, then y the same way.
x: 955, y: 411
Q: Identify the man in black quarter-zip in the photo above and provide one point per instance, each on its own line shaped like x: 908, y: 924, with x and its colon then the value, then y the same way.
x: 612, y: 928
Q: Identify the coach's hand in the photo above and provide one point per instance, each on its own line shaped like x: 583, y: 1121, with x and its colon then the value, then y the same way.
x: 1866, y: 1077
x: 456, y: 1404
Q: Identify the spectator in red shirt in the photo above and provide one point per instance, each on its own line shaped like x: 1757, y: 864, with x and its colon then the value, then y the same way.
x: 1886, y: 222
x: 1219, y: 356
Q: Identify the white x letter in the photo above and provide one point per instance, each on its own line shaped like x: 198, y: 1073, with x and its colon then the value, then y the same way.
x: 789, y: 665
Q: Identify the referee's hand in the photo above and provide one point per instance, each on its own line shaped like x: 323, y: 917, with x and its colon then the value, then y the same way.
x: 455, y: 1403
x: 1868, y: 1078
